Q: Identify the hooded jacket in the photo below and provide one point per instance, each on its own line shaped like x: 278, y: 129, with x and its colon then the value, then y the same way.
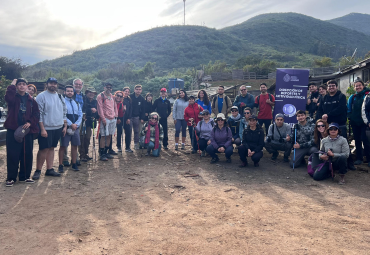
x: 192, y: 111
x: 254, y: 139
x: 305, y: 134
x: 365, y: 110
x: 248, y: 100
x: 234, y: 124
x: 354, y: 107
x: 205, y: 129
x: 243, y: 124
x: 179, y: 109
x: 335, y: 107
x: 90, y: 116
x: 312, y: 107
x: 221, y: 137
x: 338, y: 146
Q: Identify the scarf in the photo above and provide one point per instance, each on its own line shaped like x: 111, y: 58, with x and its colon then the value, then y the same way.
x: 147, y: 136
x: 235, y: 118
x: 333, y: 139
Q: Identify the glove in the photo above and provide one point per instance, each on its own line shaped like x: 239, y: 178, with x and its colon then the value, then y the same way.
x: 281, y: 140
x: 268, y: 139
x: 242, y: 104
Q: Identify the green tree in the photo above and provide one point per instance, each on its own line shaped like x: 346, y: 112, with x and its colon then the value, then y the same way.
x: 324, y: 62
x: 4, y: 83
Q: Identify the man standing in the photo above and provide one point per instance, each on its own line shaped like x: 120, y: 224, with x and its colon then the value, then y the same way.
x: 121, y: 108
x: 74, y: 120
x: 305, y: 144
x: 138, y: 113
x: 91, y: 115
x: 53, y: 124
x: 279, y: 138
x: 163, y: 107
x: 244, y: 100
x: 221, y: 103
x: 312, y: 99
x: 265, y: 101
x: 108, y: 113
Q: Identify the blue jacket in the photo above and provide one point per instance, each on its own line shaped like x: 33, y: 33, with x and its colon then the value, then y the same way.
x: 242, y: 126
x: 74, y: 112
x: 234, y: 124
x: 221, y: 137
x: 205, y: 107
x: 366, y: 110
x: 248, y: 100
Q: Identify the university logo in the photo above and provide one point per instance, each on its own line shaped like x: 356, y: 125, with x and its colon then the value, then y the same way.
x: 289, y: 110
x: 286, y: 78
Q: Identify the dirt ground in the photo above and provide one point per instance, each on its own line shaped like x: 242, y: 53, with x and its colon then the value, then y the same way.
x: 143, y: 205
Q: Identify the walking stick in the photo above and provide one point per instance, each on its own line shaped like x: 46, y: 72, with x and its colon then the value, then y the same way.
x: 122, y: 135
x: 295, y: 141
x: 93, y: 152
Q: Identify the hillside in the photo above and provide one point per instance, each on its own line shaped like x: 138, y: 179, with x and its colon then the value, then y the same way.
x: 356, y: 21
x: 296, y: 32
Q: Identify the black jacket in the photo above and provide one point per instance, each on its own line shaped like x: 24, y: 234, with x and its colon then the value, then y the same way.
x: 137, y: 106
x: 87, y: 110
x: 335, y: 107
x: 162, y: 108
x: 128, y: 113
x: 312, y: 107
x: 148, y: 109
x: 254, y: 139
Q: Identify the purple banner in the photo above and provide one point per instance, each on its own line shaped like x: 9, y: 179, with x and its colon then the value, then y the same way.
x: 291, y: 93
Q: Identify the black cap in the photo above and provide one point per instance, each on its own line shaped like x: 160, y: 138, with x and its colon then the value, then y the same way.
x: 52, y: 79
x: 21, y: 80
x: 253, y: 117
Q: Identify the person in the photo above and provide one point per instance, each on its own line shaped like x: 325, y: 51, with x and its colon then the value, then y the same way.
x: 137, y: 114
x: 253, y: 143
x: 192, y: 117
x: 244, y: 121
x: 127, y: 102
x: 108, y: 114
x: 335, y: 148
x: 358, y: 125
x: 53, y: 124
x: 320, y: 132
x: 148, y: 106
x: 23, y: 111
x: 312, y: 99
x: 304, y: 143
x: 333, y: 108
x: 265, y: 101
x: 91, y: 115
x: 323, y: 89
x: 203, y: 100
x: 32, y: 90
x: 204, y: 128
x: 163, y: 107
x: 221, y: 103
x: 279, y: 138
x: 221, y: 140
x: 74, y: 120
x: 244, y: 100
x: 234, y: 123
x: 179, y: 106
x: 153, y: 133
x: 121, y: 109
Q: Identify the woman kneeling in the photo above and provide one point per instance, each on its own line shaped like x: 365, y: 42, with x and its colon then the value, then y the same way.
x: 153, y: 133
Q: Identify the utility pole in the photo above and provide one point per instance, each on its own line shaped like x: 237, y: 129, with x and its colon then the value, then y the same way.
x: 184, y: 12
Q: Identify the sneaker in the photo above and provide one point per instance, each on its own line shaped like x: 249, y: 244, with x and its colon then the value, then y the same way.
x: 108, y: 156
x: 286, y: 159
x: 129, y: 150
x: 66, y: 163
x: 183, y: 146
x: 228, y: 160
x: 36, y: 175
x: 193, y: 151
x: 274, y: 156
x: 137, y: 147
x: 244, y: 164
x: 29, y: 181
x: 51, y: 172
x: 77, y: 162
x: 176, y: 147
x: 358, y: 162
x: 103, y: 157
x: 214, y: 160
x: 112, y: 152
x: 75, y: 167
x: 165, y: 147
x: 9, y: 183
x: 203, y: 154
x: 256, y: 164
x: 60, y: 169
x: 119, y: 149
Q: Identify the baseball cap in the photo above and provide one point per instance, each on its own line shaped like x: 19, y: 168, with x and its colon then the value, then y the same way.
x: 163, y: 90
x: 253, y: 117
x: 221, y: 116
x: 21, y: 80
x: 334, y: 125
x: 234, y: 107
x: 52, y: 79
x: 204, y: 112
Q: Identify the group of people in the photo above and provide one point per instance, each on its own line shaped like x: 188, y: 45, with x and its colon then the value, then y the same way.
x: 75, y: 117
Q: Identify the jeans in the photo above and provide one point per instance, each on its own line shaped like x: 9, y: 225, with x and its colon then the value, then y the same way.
x: 156, y: 152
x: 212, y: 151
x: 128, y: 134
x: 180, y: 124
x: 359, y: 133
x: 135, y: 123
x: 243, y: 153
x: 267, y: 124
x: 339, y: 164
x: 163, y: 122
x: 299, y: 155
x: 85, y: 143
x: 193, y: 138
x: 119, y: 133
x: 276, y: 147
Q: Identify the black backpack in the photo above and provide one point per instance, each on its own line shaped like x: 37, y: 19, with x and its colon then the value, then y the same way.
x: 258, y: 98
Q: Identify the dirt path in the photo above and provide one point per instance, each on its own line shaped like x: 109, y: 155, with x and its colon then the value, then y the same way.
x: 145, y: 205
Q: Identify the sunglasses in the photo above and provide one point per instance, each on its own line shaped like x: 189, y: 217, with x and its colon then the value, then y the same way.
x: 119, y: 96
x: 154, y: 118
x: 333, y: 129
x: 206, y: 114
x: 320, y: 126
x: 220, y: 119
x: 234, y: 111
x: 247, y: 113
x: 243, y: 90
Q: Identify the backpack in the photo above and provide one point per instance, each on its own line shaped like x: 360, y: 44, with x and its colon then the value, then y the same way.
x: 312, y: 169
x: 258, y: 98
x: 226, y: 99
x: 200, y: 125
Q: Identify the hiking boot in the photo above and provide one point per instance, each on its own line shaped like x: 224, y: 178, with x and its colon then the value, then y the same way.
x: 214, y: 160
x: 60, y: 169
x: 137, y: 147
x: 29, y: 181
x: 351, y: 166
x: 256, y: 164
x: 9, y: 183
x: 119, y: 149
x: 129, y: 150
x: 228, y: 160
x: 274, y: 155
x: 66, y: 163
x: 108, y: 156
x: 286, y: 159
x: 176, y: 147
x: 103, y: 157
x: 193, y: 151
x: 36, y: 175
x: 203, y: 154
x: 183, y: 146
x: 112, y: 152
x: 75, y: 167
x: 51, y: 172
x: 243, y: 164
x: 165, y: 147
x: 358, y: 162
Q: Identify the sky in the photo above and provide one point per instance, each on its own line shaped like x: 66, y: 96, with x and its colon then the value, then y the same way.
x: 35, y: 30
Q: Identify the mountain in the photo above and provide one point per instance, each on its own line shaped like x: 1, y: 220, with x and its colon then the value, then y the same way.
x: 297, y: 32
x: 356, y: 21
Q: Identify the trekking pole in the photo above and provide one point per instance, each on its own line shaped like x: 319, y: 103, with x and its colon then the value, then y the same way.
x: 197, y: 139
x: 122, y: 135
x: 295, y: 141
x: 93, y: 152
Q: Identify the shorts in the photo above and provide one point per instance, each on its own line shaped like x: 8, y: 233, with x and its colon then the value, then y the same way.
x: 75, y: 139
x: 51, y: 141
x: 109, y: 128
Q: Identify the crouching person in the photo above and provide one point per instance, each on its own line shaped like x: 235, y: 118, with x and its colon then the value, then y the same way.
x: 153, y: 133
x: 204, y: 128
x: 337, y: 150
x: 23, y: 115
x: 74, y: 119
x: 221, y: 140
x: 252, y: 143
x: 234, y: 124
x: 279, y: 138
x: 305, y: 142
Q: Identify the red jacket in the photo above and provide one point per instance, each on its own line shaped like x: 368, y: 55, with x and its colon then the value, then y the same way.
x: 121, y: 111
x: 13, y: 101
x: 192, y: 111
